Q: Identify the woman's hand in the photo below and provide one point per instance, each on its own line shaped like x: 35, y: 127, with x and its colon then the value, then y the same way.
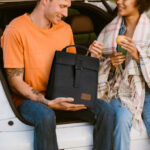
x: 96, y: 49
x: 117, y: 59
x: 129, y: 45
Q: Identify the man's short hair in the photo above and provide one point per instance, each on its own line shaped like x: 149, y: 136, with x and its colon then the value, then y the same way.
x: 143, y: 5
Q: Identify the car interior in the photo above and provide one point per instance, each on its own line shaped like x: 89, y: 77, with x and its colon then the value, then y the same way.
x: 86, y: 21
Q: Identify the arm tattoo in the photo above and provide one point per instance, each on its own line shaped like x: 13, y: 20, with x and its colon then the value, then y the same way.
x: 39, y: 96
x: 35, y: 92
x: 14, y: 72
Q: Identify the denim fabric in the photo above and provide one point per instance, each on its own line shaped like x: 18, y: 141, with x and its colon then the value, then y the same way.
x: 123, y: 124
x: 44, y: 120
x: 146, y: 111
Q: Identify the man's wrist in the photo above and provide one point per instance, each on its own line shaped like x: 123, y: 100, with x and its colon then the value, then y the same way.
x: 42, y: 99
x: 45, y: 101
x: 50, y: 103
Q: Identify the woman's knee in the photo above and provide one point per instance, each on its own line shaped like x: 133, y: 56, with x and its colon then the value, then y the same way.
x: 123, y: 117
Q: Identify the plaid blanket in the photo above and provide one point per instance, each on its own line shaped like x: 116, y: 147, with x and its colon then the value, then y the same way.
x: 127, y: 84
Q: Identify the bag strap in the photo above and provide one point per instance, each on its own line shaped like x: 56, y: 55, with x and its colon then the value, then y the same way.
x: 78, y: 70
x: 77, y: 46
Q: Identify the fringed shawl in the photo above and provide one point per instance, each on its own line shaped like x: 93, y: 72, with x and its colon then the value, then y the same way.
x: 127, y: 84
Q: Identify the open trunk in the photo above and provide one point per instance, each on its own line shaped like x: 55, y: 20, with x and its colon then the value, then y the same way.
x: 17, y: 134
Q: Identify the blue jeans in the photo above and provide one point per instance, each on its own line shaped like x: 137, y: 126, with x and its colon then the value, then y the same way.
x: 44, y: 120
x: 146, y: 111
x: 123, y: 124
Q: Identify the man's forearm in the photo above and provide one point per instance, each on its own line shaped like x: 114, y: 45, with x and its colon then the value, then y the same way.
x: 28, y: 92
x: 19, y: 86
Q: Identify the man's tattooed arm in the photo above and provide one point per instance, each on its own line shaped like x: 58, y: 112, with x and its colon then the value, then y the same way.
x: 14, y: 72
x: 17, y: 84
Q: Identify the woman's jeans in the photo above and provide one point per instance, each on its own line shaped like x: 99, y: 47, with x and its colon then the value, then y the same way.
x: 146, y: 111
x: 44, y: 120
x: 123, y: 124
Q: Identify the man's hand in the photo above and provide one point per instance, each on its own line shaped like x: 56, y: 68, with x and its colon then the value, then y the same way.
x: 117, y: 59
x: 129, y: 45
x: 96, y: 49
x: 63, y: 103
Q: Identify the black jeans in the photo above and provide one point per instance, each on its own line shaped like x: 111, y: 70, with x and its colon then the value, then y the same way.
x: 44, y: 120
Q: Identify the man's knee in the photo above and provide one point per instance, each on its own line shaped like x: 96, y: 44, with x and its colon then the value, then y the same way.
x: 105, y: 108
x: 47, y: 118
x: 105, y: 112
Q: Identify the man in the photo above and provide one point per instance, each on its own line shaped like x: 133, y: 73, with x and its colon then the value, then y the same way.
x: 29, y: 43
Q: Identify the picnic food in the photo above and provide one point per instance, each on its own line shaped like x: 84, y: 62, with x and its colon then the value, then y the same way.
x: 120, y: 38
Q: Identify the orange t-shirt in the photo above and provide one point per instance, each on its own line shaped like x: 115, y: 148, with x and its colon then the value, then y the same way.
x: 28, y: 46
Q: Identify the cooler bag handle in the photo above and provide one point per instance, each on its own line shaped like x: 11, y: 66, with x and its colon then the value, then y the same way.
x: 77, y: 46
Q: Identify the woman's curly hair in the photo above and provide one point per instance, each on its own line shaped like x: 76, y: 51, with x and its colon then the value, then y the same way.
x: 143, y: 5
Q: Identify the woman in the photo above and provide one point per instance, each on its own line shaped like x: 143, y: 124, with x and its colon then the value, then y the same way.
x: 125, y: 69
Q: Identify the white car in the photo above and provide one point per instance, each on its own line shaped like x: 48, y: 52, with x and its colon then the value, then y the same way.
x: 15, y: 133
